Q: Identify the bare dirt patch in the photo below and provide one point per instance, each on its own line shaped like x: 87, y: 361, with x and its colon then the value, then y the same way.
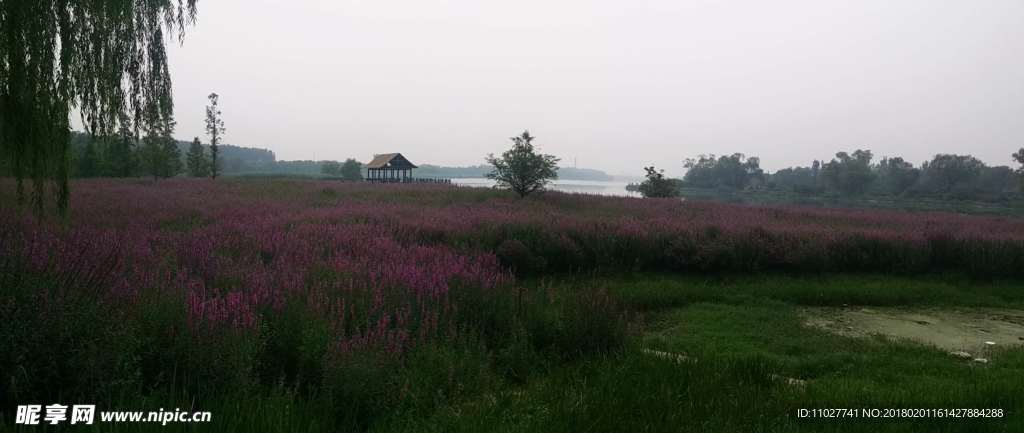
x: 975, y: 331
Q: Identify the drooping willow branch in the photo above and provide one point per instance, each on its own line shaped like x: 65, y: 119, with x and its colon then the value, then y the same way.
x: 101, y: 58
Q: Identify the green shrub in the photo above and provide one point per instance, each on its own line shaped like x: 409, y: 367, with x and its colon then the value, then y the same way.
x: 575, y: 324
x: 193, y: 357
x: 61, y: 339
x: 361, y: 387
x: 294, y: 343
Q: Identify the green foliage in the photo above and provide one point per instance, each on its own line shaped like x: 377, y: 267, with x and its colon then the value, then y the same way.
x: 803, y: 180
x: 738, y: 337
x: 103, y: 156
x: 738, y: 356
x: 577, y: 324
x: 173, y: 166
x: 521, y: 169
x: 100, y: 57
x: 733, y: 171
x: 649, y: 292
x: 850, y: 174
x: 995, y: 180
x: 1019, y: 157
x: 657, y: 185
x: 894, y: 175
x: 351, y: 170
x: 944, y: 178
x: 73, y: 346
x: 215, y: 129
x: 88, y: 164
x: 946, y: 172
x: 159, y: 153
x: 153, y: 158
x: 330, y: 168
x: 173, y: 354
x: 120, y: 156
x: 197, y: 161
x: 535, y: 354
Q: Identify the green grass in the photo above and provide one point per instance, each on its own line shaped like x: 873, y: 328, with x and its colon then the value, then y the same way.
x: 656, y: 291
x: 633, y: 392
x: 740, y: 334
x: 772, y: 333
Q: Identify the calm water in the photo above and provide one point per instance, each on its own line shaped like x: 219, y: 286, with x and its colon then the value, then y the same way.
x: 566, y: 185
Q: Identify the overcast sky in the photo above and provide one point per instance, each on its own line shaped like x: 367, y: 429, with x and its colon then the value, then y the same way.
x: 614, y: 84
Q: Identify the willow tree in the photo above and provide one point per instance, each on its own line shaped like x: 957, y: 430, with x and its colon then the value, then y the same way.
x: 99, y: 58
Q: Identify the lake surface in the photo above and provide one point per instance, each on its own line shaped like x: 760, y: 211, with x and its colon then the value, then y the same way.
x: 598, y: 187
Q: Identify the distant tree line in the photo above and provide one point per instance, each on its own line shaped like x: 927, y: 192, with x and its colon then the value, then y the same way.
x: 237, y: 160
x: 350, y: 170
x: 857, y: 173
x: 949, y: 176
x: 126, y: 155
x: 157, y: 155
x: 732, y: 171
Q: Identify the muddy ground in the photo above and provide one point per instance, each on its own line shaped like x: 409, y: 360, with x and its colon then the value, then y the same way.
x: 976, y: 331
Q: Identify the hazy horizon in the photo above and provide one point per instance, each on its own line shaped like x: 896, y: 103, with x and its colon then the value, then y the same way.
x: 615, y: 85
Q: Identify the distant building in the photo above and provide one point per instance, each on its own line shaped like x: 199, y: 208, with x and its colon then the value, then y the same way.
x: 389, y: 167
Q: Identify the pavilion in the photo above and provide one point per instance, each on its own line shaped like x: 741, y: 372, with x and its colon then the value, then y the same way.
x: 389, y: 167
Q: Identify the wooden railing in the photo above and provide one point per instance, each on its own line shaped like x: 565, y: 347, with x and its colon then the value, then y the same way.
x: 410, y: 180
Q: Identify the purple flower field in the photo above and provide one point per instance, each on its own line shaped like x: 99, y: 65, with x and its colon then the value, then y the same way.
x: 249, y: 281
